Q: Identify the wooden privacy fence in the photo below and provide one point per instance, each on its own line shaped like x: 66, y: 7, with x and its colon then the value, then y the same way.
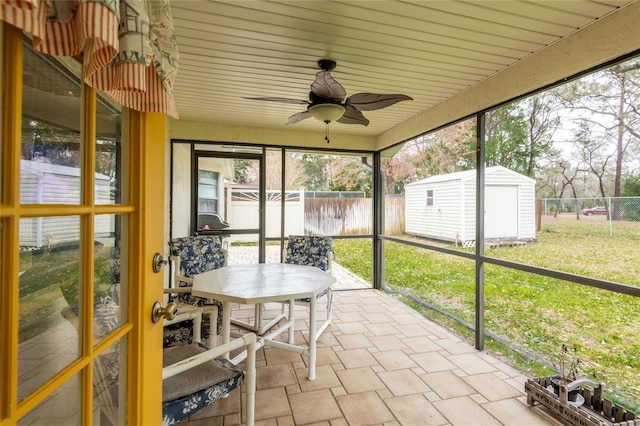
x: 349, y: 216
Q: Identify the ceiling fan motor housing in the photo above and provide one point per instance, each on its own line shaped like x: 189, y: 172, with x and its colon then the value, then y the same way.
x: 326, y: 64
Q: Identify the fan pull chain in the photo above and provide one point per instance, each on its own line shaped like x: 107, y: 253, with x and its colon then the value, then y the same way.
x: 326, y: 138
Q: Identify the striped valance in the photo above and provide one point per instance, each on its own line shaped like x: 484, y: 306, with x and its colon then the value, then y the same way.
x: 128, y: 47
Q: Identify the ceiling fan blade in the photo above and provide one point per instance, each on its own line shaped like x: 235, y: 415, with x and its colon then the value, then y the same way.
x: 326, y: 87
x: 299, y: 117
x: 351, y: 116
x: 282, y: 100
x: 373, y: 101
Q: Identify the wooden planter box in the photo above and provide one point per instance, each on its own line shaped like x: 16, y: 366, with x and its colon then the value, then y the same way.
x: 596, y: 411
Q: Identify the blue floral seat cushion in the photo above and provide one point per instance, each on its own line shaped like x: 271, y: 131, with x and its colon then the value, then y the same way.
x: 192, y: 390
x: 310, y: 251
x: 179, y: 334
x: 197, y: 254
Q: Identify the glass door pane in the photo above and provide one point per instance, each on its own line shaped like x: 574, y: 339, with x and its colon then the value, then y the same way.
x: 50, y: 164
x: 242, y: 195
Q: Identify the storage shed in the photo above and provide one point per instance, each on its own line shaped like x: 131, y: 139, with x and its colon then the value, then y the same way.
x: 443, y: 207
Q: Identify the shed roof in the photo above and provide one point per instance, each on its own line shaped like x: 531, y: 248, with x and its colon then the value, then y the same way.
x: 467, y: 175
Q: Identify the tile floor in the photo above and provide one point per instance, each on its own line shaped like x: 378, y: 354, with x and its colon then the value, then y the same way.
x: 380, y: 363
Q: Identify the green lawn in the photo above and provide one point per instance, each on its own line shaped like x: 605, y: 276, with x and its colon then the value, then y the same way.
x: 536, y: 314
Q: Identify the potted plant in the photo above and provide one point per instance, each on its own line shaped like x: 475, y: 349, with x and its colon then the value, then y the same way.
x: 567, y: 370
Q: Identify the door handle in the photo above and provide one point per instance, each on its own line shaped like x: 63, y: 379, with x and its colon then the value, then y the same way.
x: 158, y: 262
x: 159, y: 312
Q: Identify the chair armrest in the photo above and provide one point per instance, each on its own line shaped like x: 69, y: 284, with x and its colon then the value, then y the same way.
x: 192, y: 313
x: 195, y: 315
x: 172, y: 274
x: 248, y: 340
x: 330, y: 256
x: 225, y: 253
x: 176, y: 290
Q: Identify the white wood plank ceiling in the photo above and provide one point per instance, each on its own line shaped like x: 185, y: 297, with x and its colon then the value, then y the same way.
x: 429, y: 50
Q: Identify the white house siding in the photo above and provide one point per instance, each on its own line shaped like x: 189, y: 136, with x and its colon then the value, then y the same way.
x: 453, y: 215
x: 181, y: 185
x: 181, y: 190
x: 49, y: 231
x: 48, y: 184
x: 29, y: 193
x: 43, y: 183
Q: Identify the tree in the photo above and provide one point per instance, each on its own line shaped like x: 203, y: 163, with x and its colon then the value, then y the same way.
x: 351, y: 174
x: 570, y: 179
x: 294, y: 172
x: 44, y: 142
x: 630, y: 207
x: 316, y: 171
x: 608, y: 105
x: 631, y: 185
x: 444, y: 151
x: 243, y: 171
x: 397, y: 171
x: 447, y: 150
x: 505, y: 134
x: 555, y: 179
x: 596, y: 153
x: 542, y: 122
x: 519, y: 134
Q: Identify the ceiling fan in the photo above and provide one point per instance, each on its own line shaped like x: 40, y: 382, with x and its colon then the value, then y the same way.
x: 327, y: 101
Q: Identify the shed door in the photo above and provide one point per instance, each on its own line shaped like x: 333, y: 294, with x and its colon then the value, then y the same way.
x: 501, y: 212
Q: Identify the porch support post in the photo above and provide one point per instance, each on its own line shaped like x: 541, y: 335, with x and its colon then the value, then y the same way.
x: 262, y: 203
x: 378, y: 223
x: 480, y: 169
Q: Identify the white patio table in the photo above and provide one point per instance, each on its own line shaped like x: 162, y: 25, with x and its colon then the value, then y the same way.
x: 263, y: 283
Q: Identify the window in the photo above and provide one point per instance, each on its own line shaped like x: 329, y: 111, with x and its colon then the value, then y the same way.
x: 207, y: 191
x: 429, y: 197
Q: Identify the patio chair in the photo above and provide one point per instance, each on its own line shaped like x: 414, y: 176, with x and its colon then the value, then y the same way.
x: 310, y: 251
x: 190, y: 256
x: 193, y: 376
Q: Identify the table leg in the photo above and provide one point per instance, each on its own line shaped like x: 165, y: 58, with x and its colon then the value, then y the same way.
x: 292, y: 307
x: 312, y: 338
x: 226, y: 324
x: 258, y: 319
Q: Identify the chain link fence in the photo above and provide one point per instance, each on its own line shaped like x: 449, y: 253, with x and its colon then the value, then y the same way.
x: 612, y: 216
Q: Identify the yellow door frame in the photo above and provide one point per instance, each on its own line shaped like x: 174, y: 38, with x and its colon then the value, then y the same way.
x: 145, y: 237
x: 147, y: 137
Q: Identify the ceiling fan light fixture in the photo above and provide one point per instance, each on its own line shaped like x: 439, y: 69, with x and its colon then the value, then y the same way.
x: 327, y: 112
